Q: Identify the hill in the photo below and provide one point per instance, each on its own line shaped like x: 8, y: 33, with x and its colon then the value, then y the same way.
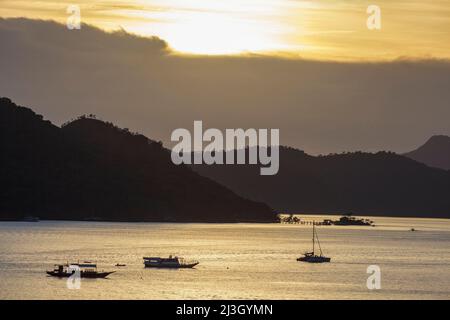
x: 364, y: 183
x: 434, y: 153
x: 91, y: 169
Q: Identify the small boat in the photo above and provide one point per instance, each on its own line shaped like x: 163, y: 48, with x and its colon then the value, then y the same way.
x: 312, y: 257
x: 87, y: 270
x: 30, y: 219
x: 171, y: 262
x: 120, y: 265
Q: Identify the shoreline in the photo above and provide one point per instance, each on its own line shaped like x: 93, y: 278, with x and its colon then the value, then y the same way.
x: 305, y: 215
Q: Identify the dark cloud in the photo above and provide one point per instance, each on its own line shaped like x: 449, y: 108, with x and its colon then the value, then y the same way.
x: 138, y: 83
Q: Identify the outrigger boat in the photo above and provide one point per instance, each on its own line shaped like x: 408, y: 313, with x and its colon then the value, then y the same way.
x: 87, y: 270
x: 312, y: 257
x: 171, y: 262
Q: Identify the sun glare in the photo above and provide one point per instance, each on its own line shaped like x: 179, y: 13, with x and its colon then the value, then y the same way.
x: 322, y: 29
x: 204, y: 33
x: 214, y: 27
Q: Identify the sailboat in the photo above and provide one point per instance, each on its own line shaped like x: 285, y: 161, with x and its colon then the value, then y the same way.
x: 312, y: 257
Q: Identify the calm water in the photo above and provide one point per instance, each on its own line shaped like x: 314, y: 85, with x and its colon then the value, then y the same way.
x: 237, y: 261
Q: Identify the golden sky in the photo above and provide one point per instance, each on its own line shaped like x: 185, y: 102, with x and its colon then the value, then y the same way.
x: 320, y: 29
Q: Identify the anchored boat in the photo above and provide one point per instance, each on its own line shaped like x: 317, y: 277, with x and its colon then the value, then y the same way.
x: 87, y: 270
x: 171, y: 262
x: 312, y: 257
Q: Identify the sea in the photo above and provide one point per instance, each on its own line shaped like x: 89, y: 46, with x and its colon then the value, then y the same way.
x: 237, y: 261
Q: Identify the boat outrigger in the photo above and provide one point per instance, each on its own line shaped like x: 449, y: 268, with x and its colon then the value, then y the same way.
x: 312, y: 257
x: 171, y: 262
x: 87, y: 270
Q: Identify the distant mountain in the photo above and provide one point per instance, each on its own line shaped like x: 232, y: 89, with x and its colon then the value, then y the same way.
x: 434, y: 153
x: 364, y: 183
x: 90, y: 169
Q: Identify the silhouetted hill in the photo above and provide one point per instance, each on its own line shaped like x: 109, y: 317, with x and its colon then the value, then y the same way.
x: 90, y: 169
x: 434, y: 153
x: 372, y: 184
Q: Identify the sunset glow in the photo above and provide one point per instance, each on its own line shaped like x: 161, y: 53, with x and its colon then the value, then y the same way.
x: 323, y: 29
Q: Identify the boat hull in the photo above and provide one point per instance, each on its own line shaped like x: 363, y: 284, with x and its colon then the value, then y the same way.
x: 89, y: 275
x: 172, y: 266
x: 314, y: 259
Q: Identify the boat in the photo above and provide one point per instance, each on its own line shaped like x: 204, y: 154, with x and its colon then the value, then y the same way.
x: 312, y: 257
x: 171, y: 262
x: 120, y: 265
x: 87, y: 270
x: 30, y: 219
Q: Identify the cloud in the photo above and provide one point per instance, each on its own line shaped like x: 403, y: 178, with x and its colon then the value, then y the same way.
x: 140, y: 84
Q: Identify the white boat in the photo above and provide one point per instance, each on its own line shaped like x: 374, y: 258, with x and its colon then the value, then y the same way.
x: 171, y: 262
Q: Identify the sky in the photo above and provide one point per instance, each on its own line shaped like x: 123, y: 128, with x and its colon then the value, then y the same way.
x: 320, y: 106
x: 321, y: 29
x: 312, y: 69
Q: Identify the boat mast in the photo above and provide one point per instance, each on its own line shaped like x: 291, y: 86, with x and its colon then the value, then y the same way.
x: 313, y: 239
x: 320, y: 248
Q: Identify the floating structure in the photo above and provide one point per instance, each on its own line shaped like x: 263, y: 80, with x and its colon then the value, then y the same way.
x: 289, y: 219
x: 347, y: 220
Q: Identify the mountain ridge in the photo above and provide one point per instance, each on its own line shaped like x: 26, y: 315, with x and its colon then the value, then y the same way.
x: 96, y: 170
x: 435, y: 152
x: 382, y: 183
x: 92, y: 170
